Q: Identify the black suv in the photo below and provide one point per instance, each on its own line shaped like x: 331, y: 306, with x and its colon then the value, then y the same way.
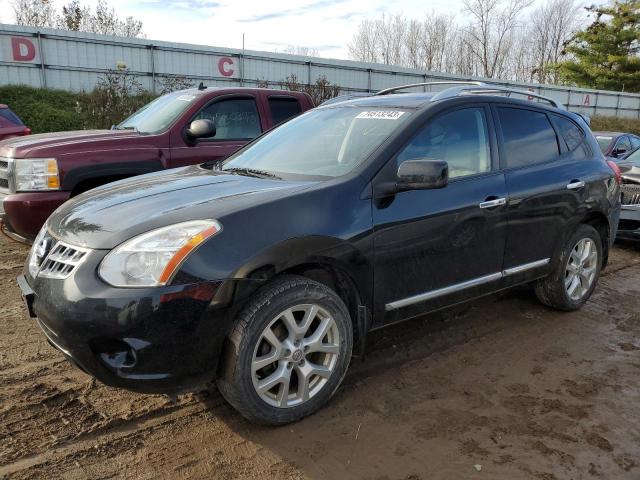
x: 265, y: 271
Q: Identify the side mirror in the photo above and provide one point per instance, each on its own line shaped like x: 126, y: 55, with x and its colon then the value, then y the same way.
x: 422, y: 175
x: 200, y: 129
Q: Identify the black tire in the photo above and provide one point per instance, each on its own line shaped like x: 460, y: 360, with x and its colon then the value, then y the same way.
x: 235, y: 381
x: 551, y: 290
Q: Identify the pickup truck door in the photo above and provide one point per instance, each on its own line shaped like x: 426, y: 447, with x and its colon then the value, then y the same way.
x: 238, y: 120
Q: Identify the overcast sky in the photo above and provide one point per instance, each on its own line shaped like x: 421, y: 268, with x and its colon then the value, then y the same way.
x: 326, y: 25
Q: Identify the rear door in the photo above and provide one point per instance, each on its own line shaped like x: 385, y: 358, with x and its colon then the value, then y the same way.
x: 283, y: 108
x: 545, y: 160
x: 237, y: 119
x: 434, y: 246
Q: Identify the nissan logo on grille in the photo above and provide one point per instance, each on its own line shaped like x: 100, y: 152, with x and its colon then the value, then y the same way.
x: 42, y: 249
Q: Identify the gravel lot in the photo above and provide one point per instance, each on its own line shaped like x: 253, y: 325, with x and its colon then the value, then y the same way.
x: 501, y: 388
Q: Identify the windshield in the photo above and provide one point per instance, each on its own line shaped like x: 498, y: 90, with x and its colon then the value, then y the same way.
x: 604, y: 142
x: 633, y: 158
x: 157, y: 116
x: 324, y: 143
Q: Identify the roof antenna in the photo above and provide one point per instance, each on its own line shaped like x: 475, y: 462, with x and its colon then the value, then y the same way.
x: 202, y: 86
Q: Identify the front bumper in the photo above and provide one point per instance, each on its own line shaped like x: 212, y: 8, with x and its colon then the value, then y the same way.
x: 629, y: 225
x: 152, y: 340
x: 23, y: 214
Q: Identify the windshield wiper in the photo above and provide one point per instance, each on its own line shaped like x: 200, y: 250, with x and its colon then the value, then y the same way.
x: 251, y: 172
x: 135, y: 129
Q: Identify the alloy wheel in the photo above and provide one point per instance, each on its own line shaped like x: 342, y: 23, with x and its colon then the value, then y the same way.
x: 581, y: 269
x: 295, y: 355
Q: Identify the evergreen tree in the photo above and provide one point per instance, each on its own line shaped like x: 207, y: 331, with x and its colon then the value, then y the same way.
x: 605, y: 54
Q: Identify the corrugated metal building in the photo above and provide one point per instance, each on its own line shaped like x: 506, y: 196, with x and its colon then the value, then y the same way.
x: 74, y: 61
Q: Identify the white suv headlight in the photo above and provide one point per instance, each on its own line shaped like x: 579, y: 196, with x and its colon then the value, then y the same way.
x: 36, y: 174
x: 153, y: 258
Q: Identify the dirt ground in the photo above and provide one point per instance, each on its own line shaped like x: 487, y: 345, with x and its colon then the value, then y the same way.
x: 501, y: 388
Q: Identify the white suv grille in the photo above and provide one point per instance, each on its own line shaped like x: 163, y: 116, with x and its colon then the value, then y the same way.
x: 62, y: 260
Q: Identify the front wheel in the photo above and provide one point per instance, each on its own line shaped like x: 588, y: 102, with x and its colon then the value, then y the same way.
x: 572, y: 282
x: 288, y: 352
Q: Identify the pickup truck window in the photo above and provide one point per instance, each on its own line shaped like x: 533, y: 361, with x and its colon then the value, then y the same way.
x: 157, y: 116
x: 235, y: 118
x: 283, y: 108
x: 7, y: 117
x: 324, y: 143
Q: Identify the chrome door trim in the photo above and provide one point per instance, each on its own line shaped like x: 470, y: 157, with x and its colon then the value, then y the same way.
x: 456, y: 287
x: 526, y: 266
x: 421, y: 297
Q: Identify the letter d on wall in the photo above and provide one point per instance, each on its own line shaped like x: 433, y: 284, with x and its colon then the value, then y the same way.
x: 23, y: 49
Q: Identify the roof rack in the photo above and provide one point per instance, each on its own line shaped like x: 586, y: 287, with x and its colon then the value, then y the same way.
x: 491, y: 89
x: 386, y: 91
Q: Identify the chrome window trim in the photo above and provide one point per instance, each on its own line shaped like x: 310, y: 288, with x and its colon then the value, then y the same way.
x: 456, y: 287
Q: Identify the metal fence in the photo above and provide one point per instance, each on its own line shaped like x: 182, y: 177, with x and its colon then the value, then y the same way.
x: 75, y: 61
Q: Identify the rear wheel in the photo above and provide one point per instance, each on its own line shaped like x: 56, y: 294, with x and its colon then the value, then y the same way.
x: 571, y: 284
x: 288, y: 352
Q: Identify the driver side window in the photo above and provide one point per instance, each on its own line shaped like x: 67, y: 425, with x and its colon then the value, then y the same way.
x: 460, y: 138
x: 234, y: 118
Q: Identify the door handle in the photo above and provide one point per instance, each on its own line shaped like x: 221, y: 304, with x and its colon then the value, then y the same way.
x: 496, y: 202
x: 575, y: 185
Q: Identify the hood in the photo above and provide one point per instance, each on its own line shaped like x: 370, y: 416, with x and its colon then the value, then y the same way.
x: 107, y: 216
x: 51, y: 144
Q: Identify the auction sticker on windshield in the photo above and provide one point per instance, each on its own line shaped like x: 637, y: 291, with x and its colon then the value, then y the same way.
x: 381, y: 114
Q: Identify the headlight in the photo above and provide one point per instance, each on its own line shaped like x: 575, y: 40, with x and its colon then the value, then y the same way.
x: 153, y: 258
x: 37, y: 252
x: 36, y: 174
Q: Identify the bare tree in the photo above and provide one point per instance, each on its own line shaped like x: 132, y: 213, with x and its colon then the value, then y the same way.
x: 34, y: 13
x: 490, y: 31
x: 364, y: 44
x: 301, y: 50
x: 551, y: 26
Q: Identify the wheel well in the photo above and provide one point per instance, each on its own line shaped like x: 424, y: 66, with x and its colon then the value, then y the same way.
x: 601, y: 224
x: 341, y: 283
x: 90, y: 183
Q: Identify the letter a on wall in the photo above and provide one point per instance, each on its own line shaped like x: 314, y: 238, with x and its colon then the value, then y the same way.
x: 23, y: 49
x: 586, y: 101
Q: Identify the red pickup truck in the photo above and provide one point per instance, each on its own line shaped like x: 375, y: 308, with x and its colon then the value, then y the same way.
x: 40, y: 172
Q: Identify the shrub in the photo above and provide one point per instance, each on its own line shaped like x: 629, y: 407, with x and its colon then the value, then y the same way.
x: 43, y: 110
x: 615, y: 124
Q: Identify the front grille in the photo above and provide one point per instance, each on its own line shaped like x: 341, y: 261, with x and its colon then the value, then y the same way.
x: 630, y: 194
x: 4, y: 174
x: 62, y: 261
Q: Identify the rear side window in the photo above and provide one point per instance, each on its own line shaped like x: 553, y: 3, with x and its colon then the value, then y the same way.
x: 282, y: 109
x: 460, y: 138
x: 570, y: 133
x: 235, y: 118
x: 7, y: 117
x: 635, y: 142
x: 529, y: 137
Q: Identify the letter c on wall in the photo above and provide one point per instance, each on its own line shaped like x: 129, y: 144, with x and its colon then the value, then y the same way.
x: 23, y: 49
x: 224, y: 65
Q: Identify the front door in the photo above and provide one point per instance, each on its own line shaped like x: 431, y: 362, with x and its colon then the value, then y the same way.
x: 237, y: 122
x: 435, y: 246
